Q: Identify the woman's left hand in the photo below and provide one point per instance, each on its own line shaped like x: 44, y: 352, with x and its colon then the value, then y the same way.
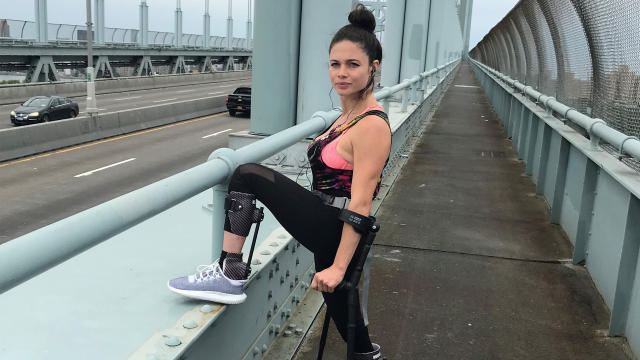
x: 327, y: 279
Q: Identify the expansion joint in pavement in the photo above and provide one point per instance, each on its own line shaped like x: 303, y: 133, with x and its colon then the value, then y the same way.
x: 433, y: 250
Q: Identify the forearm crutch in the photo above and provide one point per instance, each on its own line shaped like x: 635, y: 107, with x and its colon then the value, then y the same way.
x: 367, y: 227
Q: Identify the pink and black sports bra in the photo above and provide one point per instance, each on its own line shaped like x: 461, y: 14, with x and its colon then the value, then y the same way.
x: 331, y: 173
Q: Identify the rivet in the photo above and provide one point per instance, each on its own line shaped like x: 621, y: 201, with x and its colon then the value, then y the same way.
x: 276, y: 329
x: 274, y: 244
x: 291, y: 285
x: 281, y: 279
x: 256, y: 351
x: 265, y: 252
x: 287, y: 274
x: 296, y: 278
x: 297, y: 244
x: 256, y: 262
x: 269, y: 314
x: 206, y: 308
x: 190, y: 325
x: 286, y: 247
x: 298, y: 331
x: 264, y: 348
x: 282, y: 236
x: 297, y: 261
x: 275, y: 307
x: 292, y: 326
x: 287, y: 333
x: 270, y: 295
x: 288, y: 313
x: 277, y: 267
x: 270, y: 274
x: 172, y: 341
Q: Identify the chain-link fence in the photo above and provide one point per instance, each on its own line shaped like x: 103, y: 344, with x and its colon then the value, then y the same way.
x: 27, y: 30
x: 585, y: 53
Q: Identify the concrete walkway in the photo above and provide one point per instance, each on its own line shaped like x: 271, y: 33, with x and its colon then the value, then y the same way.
x: 467, y: 265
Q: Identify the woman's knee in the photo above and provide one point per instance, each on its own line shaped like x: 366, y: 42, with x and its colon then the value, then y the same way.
x: 241, y: 177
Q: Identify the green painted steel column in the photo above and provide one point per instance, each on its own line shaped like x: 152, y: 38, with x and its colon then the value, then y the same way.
x: 319, y: 22
x: 178, y: 25
x: 144, y: 23
x: 249, y: 25
x: 467, y: 25
x: 230, y: 25
x: 42, y: 34
x: 393, y: 32
x: 99, y: 21
x: 414, y: 38
x: 275, y: 65
x: 206, y: 25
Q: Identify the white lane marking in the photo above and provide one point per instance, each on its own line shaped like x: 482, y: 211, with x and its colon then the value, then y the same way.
x: 185, y: 91
x: 157, y: 101
x: 214, y: 134
x: 467, y: 86
x: 218, y: 92
x: 128, y: 98
x: 104, y: 167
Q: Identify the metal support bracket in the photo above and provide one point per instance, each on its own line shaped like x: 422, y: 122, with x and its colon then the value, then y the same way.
x: 42, y: 69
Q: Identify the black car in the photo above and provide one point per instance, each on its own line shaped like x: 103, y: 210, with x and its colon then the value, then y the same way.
x: 240, y: 100
x: 43, y: 109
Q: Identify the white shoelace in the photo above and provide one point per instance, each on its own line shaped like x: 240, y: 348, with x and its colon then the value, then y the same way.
x: 205, y: 272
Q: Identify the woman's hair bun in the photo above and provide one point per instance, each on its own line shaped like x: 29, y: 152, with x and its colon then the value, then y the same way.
x: 361, y: 17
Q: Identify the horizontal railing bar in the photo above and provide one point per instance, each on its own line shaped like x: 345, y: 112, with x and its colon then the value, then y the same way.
x: 595, y: 127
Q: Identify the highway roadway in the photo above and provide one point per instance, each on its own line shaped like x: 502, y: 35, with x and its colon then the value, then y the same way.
x: 39, y: 190
x: 140, y: 98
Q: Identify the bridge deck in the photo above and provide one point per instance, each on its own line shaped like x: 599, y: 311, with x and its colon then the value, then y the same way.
x: 467, y: 264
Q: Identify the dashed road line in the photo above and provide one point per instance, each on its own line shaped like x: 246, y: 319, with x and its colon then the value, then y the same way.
x: 214, y: 134
x: 163, y: 100
x: 104, y: 168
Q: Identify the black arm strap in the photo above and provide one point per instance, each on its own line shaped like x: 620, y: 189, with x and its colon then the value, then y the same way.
x: 360, y: 223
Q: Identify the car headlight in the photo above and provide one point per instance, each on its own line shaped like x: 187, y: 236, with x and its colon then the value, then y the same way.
x: 13, y: 113
x: 34, y: 114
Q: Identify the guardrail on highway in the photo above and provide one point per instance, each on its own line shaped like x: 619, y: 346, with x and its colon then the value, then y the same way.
x: 592, y: 193
x: 92, y: 227
x: 15, y: 94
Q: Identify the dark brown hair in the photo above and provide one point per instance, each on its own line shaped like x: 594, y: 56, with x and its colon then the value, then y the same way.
x: 360, y: 29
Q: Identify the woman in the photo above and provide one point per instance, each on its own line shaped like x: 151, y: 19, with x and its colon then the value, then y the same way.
x: 346, y: 160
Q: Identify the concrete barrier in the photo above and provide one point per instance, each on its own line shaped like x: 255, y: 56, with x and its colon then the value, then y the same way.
x: 14, y: 94
x: 28, y: 140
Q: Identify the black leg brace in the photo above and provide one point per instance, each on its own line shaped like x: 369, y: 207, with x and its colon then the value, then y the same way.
x: 240, y: 213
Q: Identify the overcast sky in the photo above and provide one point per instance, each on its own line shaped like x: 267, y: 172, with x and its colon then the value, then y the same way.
x: 486, y: 14
x: 124, y: 14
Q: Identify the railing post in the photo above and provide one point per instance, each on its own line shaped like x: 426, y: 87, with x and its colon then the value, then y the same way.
x: 414, y: 93
x: 405, y: 99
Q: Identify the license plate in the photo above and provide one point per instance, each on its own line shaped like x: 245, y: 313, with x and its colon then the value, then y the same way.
x: 239, y: 107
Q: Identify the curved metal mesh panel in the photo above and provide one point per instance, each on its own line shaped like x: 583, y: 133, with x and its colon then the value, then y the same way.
x: 528, y: 46
x: 516, y: 41
x: 572, y: 54
x: 544, y: 45
x: 503, y: 53
x: 504, y: 36
x: 586, y: 53
x: 614, y: 37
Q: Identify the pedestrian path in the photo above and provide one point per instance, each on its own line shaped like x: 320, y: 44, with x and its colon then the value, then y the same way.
x: 467, y: 264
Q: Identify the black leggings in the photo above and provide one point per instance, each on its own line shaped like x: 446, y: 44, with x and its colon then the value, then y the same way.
x: 315, y: 225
